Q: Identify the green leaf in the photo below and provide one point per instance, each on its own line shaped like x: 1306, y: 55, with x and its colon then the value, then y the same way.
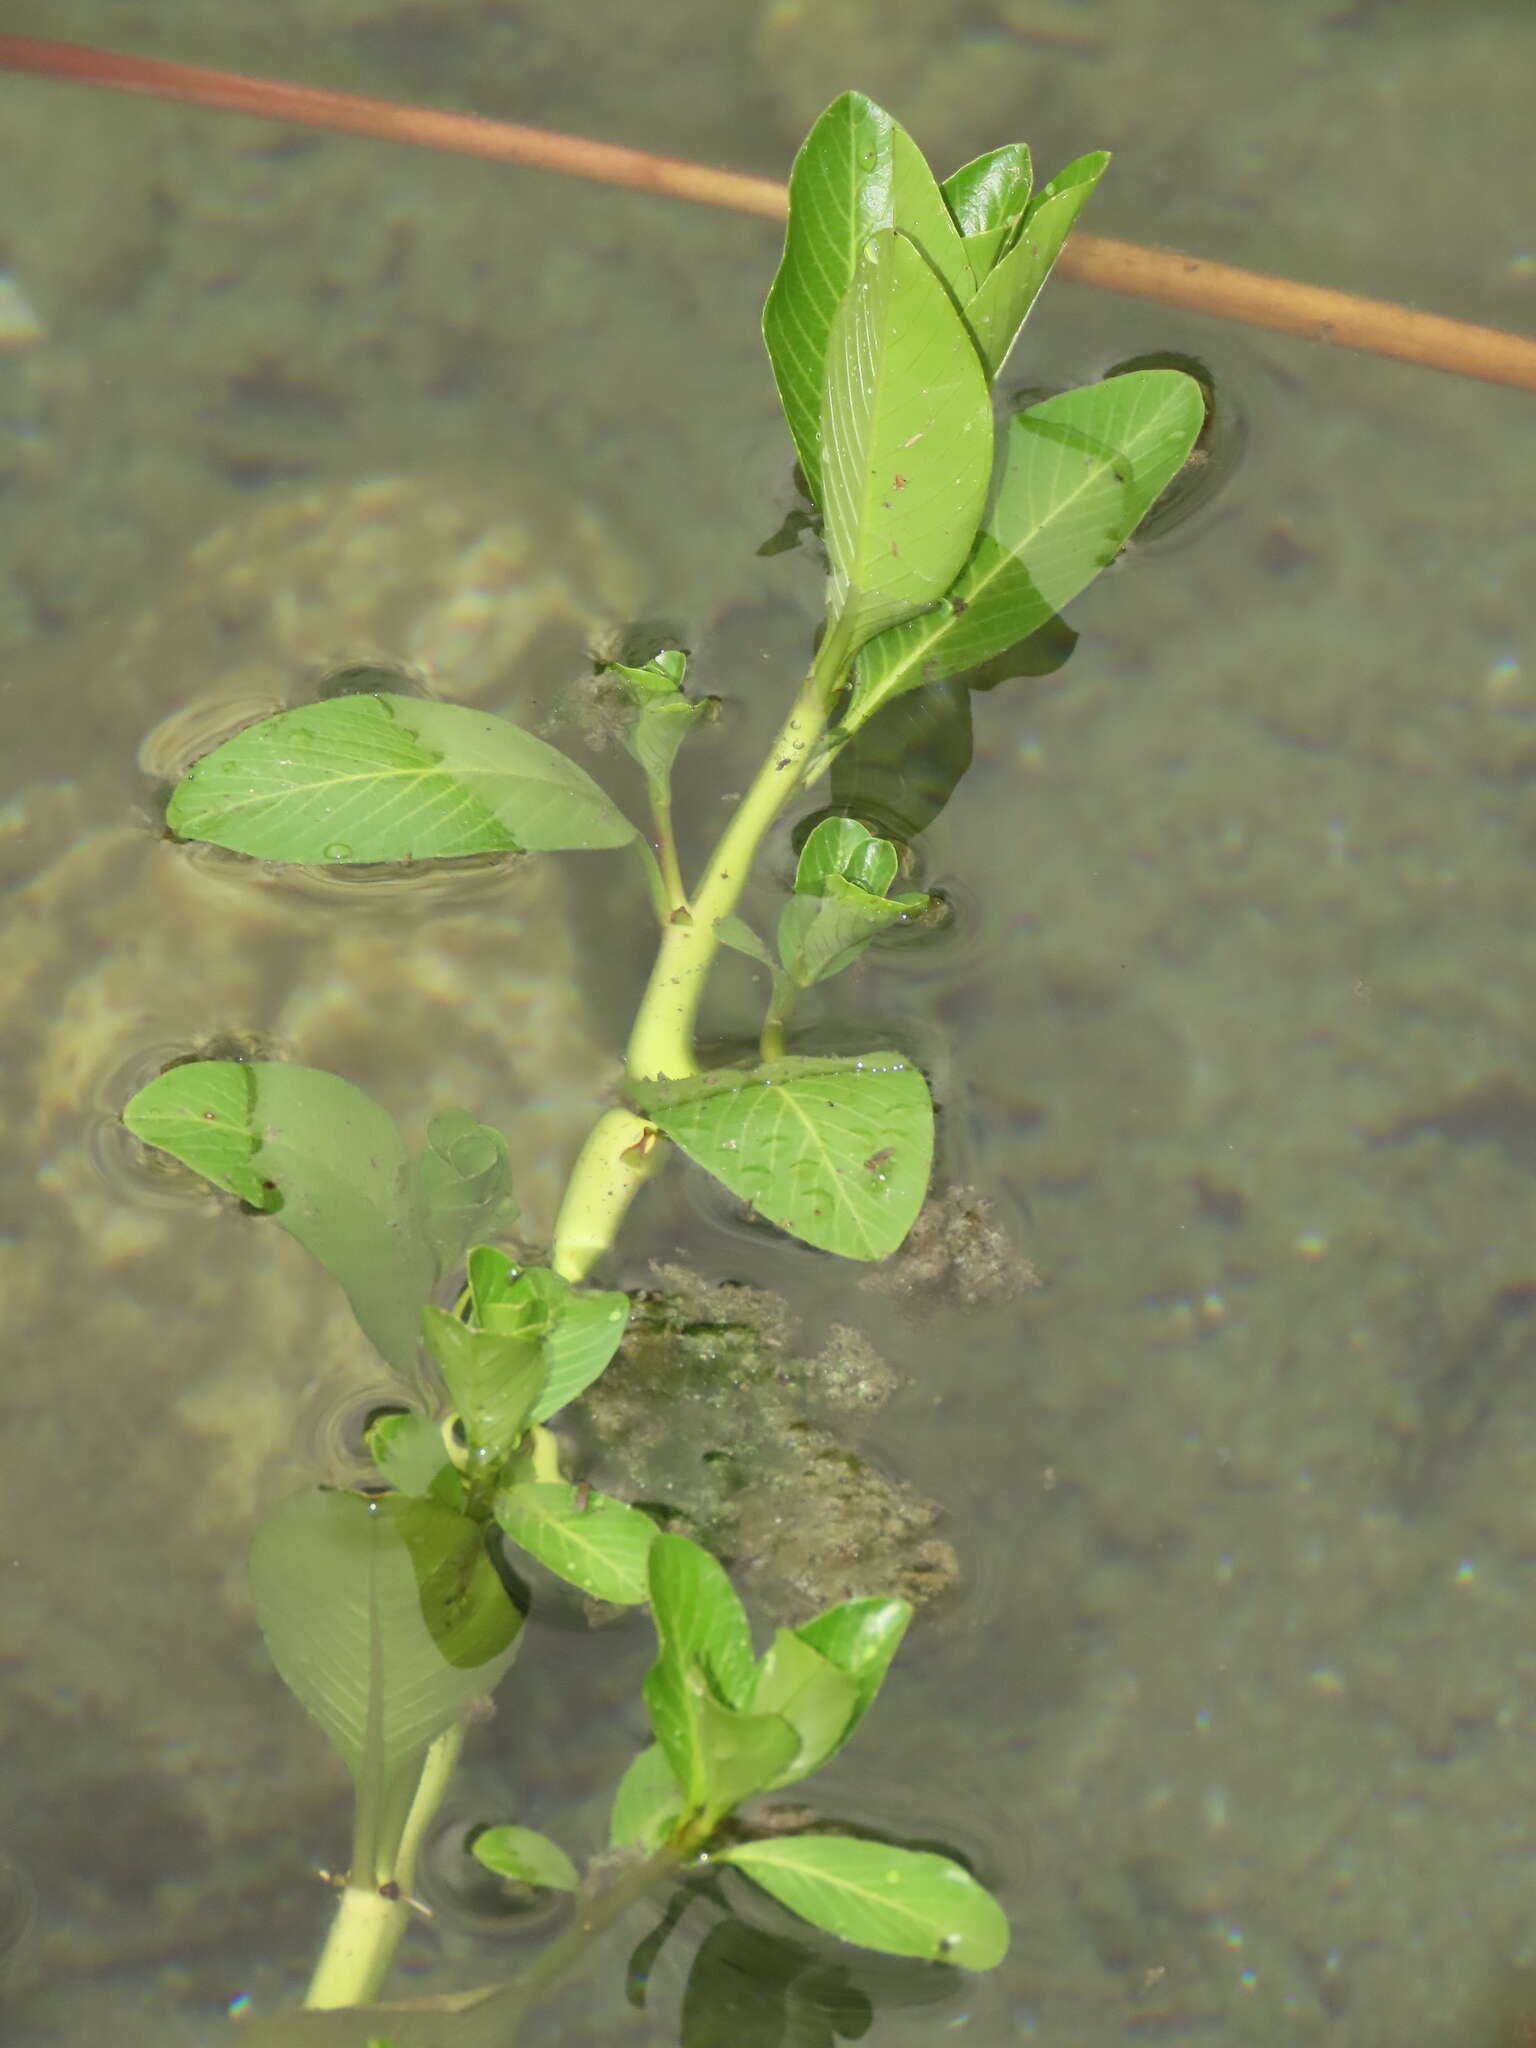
x: 989, y: 195
x: 735, y: 932
x: 577, y: 1329
x: 699, y: 1618
x: 463, y: 1185
x: 839, y: 904
x: 805, y: 1689
x: 386, y: 1619
x: 661, y: 717
x: 390, y: 778
x: 847, y: 849
x: 525, y: 1856
x: 860, y: 1637
x: 835, y: 1151
x: 494, y: 1381
x: 742, y: 1754
x: 1080, y: 471
x: 857, y: 172
x: 409, y: 1452
x: 321, y: 1157
x: 1003, y: 300
x: 907, y: 434
x: 647, y: 1804
x: 584, y: 1537
x: 905, y: 1902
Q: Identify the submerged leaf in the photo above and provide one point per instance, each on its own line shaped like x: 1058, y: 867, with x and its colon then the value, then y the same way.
x: 525, y: 1856
x: 390, y: 778
x: 463, y: 1185
x: 836, y: 1152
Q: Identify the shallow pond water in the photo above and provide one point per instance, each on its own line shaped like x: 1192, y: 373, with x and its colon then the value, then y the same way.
x: 1236, y: 1702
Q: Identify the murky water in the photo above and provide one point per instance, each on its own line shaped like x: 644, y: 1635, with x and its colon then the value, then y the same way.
x: 1237, y: 1706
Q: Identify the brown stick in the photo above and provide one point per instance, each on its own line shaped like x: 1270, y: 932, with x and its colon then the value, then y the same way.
x: 1218, y: 289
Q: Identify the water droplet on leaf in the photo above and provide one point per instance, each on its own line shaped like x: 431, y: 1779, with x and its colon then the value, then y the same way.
x: 338, y: 850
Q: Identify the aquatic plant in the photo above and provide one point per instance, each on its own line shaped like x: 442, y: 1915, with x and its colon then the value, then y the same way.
x: 391, y: 1610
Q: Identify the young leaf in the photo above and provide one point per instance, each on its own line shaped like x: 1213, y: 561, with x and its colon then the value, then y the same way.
x: 699, y: 1619
x: 741, y: 1754
x: 326, y: 1161
x: 493, y: 1380
x: 662, y: 717
x: 858, y: 171
x: 583, y: 1537
x: 905, y: 1902
x: 907, y: 439
x: 1080, y: 471
x: 525, y: 1856
x: 386, y: 1619
x: 390, y: 778
x: 647, y: 1804
x: 1002, y: 301
x: 577, y: 1329
x: 839, y: 902
x: 860, y: 1637
x: 835, y: 1151
x: 463, y: 1185
x: 805, y: 1689
x: 408, y: 1450
x: 989, y: 195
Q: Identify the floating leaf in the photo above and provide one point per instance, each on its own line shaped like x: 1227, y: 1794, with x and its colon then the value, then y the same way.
x: 525, y: 1856
x: 494, y: 1381
x: 905, y: 1902
x: 907, y: 440
x: 647, y: 1804
x: 837, y: 1151
x: 858, y: 171
x: 390, y: 778
x: 323, y: 1158
x: 386, y: 1619
x: 583, y: 1537
x: 463, y: 1185
x: 1079, y: 473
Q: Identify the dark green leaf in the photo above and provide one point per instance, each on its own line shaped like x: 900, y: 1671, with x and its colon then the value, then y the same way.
x: 389, y: 778
x: 1079, y: 472
x: 526, y: 1857
x: 1002, y: 302
x: 907, y: 433
x: 463, y: 1185
x: 857, y: 172
x: 905, y: 1902
x: 583, y: 1537
x: 836, y: 1152
x: 902, y: 765
x: 323, y: 1158
x: 751, y: 1989
x: 494, y: 1381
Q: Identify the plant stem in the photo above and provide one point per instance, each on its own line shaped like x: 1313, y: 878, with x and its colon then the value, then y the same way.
x: 621, y: 1153
x: 661, y: 1044
x: 370, y: 1919
x: 675, y: 897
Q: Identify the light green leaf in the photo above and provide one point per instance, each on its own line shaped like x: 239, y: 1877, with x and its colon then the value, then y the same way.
x: 839, y: 903
x: 904, y: 1902
x: 390, y: 778
x: 989, y: 195
x: 578, y: 1329
x: 1080, y: 471
x: 321, y: 1157
x: 583, y: 1537
x: 858, y: 171
x: 835, y: 1151
x: 647, y: 1804
x: 463, y: 1185
x: 742, y: 1753
x: 907, y: 440
x: 847, y: 848
x: 699, y: 1618
x: 860, y: 1637
x: 494, y: 1381
x: 1003, y: 300
x: 386, y: 1619
x: 525, y: 1856
x: 819, y: 1702
x: 409, y: 1452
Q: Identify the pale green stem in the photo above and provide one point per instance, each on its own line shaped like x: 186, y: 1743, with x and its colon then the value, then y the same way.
x: 621, y: 1153
x: 771, y: 1043
x: 659, y: 788
x: 370, y: 1918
